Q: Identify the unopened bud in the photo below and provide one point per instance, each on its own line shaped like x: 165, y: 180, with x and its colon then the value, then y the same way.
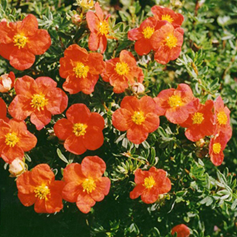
x: 17, y: 167
x: 76, y: 19
x: 138, y: 88
x: 200, y: 143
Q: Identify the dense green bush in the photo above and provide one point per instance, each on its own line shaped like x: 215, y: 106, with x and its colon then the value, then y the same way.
x: 202, y: 196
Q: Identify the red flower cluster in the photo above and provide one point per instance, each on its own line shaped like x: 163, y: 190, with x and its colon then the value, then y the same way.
x: 15, y: 139
x: 81, y: 69
x: 7, y: 82
x: 99, y: 27
x: 81, y: 130
x: 161, y: 33
x: 150, y: 184
x: 20, y: 41
x: 40, y: 188
x: 39, y: 99
x: 137, y: 117
x: 85, y: 184
x: 122, y: 72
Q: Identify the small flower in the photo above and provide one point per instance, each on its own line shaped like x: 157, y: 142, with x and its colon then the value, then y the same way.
x: 222, y: 118
x: 177, y: 104
x: 137, y: 117
x: 81, y: 69
x: 166, y: 14
x: 216, y: 148
x: 143, y: 35
x: 39, y: 99
x: 99, y: 27
x: 7, y: 82
x: 181, y: 230
x: 15, y: 139
x: 122, y: 72
x: 40, y: 188
x: 82, y: 130
x: 150, y: 184
x: 17, y: 167
x: 200, y: 123
x: 85, y: 184
x: 167, y: 42
x: 21, y: 41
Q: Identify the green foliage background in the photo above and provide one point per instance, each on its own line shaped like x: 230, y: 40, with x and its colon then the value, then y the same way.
x: 203, y: 197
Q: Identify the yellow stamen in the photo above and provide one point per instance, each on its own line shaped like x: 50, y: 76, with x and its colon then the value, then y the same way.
x: 175, y: 101
x: 81, y: 70
x: 149, y: 182
x: 222, y: 118
x: 167, y: 18
x: 87, y: 4
x: 38, y: 101
x: 148, y: 32
x: 20, y: 40
x: 197, y: 118
x: 79, y: 129
x: 138, y: 117
x: 171, y: 41
x: 216, y: 148
x: 42, y: 191
x: 103, y: 28
x: 122, y: 68
x: 88, y: 185
x: 11, y: 139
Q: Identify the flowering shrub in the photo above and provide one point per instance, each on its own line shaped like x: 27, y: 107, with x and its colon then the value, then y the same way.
x: 118, y: 118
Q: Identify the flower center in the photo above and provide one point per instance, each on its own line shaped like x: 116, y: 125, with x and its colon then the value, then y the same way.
x: 88, y: 185
x: 122, y: 68
x: 81, y: 70
x: 38, y: 101
x: 148, y: 32
x: 149, y: 182
x: 79, y: 129
x: 171, y: 41
x: 197, y: 118
x: 11, y: 139
x: 20, y: 40
x: 42, y: 191
x: 87, y: 4
x: 103, y: 28
x: 222, y: 118
x: 167, y: 18
x: 175, y: 101
x: 138, y: 117
x: 216, y: 148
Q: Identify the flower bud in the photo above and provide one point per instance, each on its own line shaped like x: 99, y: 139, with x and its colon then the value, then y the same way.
x: 76, y: 19
x: 138, y: 88
x: 6, y: 82
x: 17, y: 167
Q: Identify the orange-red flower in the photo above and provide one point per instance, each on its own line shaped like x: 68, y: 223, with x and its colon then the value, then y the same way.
x: 20, y: 41
x: 181, y: 230
x: 3, y: 110
x: 81, y: 69
x: 167, y: 42
x: 40, y: 188
x: 166, y: 14
x: 222, y: 118
x: 137, y: 117
x: 81, y: 130
x: 216, y: 147
x: 177, y: 104
x: 39, y: 99
x: 15, y: 139
x: 122, y: 72
x: 99, y: 28
x: 150, y: 184
x: 7, y: 82
x: 143, y: 35
x: 200, y: 123
x: 85, y: 184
